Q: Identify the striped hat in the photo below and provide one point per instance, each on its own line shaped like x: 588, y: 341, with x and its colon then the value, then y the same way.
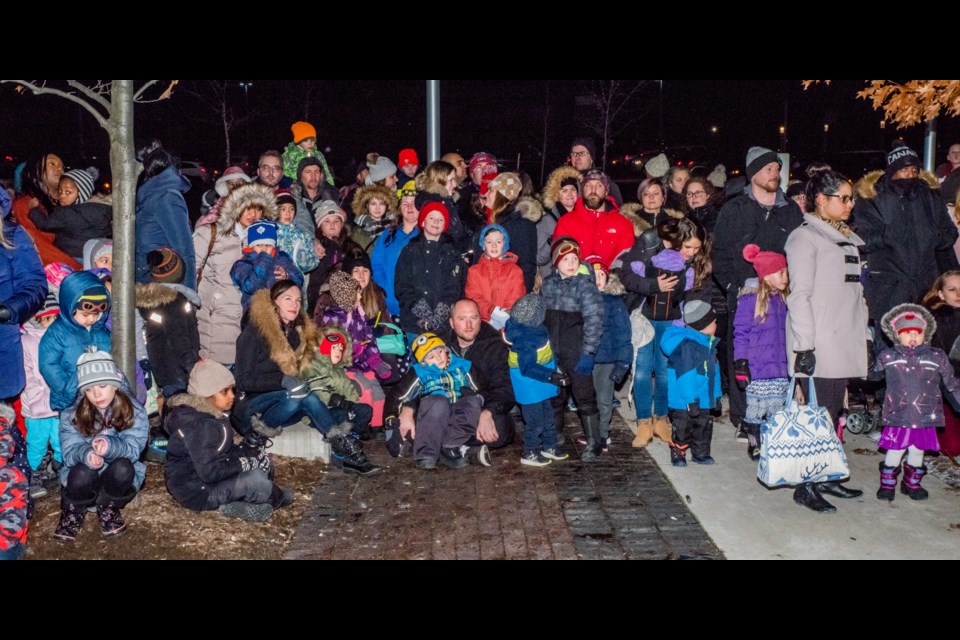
x: 84, y: 182
x: 97, y: 368
x: 165, y: 266
x: 50, y: 306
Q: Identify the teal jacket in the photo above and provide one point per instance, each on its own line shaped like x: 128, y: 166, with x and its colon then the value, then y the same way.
x: 692, y: 371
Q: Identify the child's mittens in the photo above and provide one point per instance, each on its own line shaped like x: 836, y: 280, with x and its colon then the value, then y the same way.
x: 499, y: 318
x: 92, y: 460
x: 383, y: 370
x: 584, y: 365
x: 741, y: 369
x: 422, y: 311
x: 560, y: 379
x: 441, y: 314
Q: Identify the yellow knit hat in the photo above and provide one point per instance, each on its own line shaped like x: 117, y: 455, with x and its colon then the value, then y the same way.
x: 425, y: 343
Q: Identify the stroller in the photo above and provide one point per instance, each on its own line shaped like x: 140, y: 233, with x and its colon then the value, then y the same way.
x: 863, y: 408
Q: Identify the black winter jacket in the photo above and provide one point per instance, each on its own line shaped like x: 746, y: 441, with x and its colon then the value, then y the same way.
x: 488, y: 355
x: 170, y: 323
x: 431, y: 271
x: 76, y: 224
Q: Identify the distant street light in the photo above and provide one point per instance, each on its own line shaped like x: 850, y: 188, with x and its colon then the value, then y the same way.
x: 713, y: 129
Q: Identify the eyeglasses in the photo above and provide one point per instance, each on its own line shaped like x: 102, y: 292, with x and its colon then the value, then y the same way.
x: 843, y: 199
x: 579, y: 154
x: 266, y: 168
x: 694, y: 194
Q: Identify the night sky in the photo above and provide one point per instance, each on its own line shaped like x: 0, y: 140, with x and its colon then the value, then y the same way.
x: 503, y: 117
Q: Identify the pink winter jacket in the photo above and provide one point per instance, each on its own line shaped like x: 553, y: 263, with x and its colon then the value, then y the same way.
x: 36, y: 394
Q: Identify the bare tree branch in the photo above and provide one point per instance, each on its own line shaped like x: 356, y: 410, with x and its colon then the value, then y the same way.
x: 138, y: 97
x: 90, y: 93
x: 41, y: 89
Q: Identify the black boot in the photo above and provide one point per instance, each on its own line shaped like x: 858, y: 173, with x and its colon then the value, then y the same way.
x: 838, y: 490
x: 807, y: 495
x: 112, y: 524
x: 753, y: 440
x: 591, y: 428
x: 71, y: 522
x: 255, y: 440
x: 349, y: 456
x: 281, y: 497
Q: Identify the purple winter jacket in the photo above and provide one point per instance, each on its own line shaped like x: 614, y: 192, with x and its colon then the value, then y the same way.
x: 914, y: 378
x: 763, y: 344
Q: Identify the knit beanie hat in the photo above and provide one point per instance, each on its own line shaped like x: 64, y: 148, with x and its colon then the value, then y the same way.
x: 486, y: 159
x: 309, y: 161
x: 758, y: 158
x: 84, y: 182
x: 571, y: 182
x: 262, y: 232
x: 508, y: 185
x: 598, y: 264
x: 657, y: 166
x: 96, y: 297
x: 429, y: 208
x: 382, y: 169
x: 285, y: 197
x: 585, y: 142
x: 165, y: 266
x: 325, y: 209
x: 596, y: 174
x: 909, y: 321
x: 765, y: 262
x: 103, y: 247
x: 561, y: 247
x: 97, y: 368
x: 343, y: 290
x: 425, y: 343
x: 698, y: 314
x: 50, y: 306
x: 409, y: 188
x: 354, y: 260
x: 718, y: 177
x: 901, y: 156
x: 208, y: 378
x: 529, y: 311
x: 495, y: 227
x: 331, y: 339
x: 56, y: 272
x: 408, y: 156
x: 230, y: 174
x: 302, y: 131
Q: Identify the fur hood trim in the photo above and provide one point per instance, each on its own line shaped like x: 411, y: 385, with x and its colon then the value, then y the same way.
x: 264, y: 317
x: 364, y: 195
x: 887, y: 321
x: 324, y: 330
x: 529, y: 208
x: 155, y: 294
x: 614, y: 286
x: 866, y: 186
x: 243, y: 198
x: 551, y: 190
x: 631, y: 211
x: 195, y: 402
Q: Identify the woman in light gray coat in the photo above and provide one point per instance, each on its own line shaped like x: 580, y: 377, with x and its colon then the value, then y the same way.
x: 218, y: 246
x: 827, y: 315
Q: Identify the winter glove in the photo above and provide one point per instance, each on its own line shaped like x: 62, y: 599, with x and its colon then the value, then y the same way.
x: 584, y: 365
x: 441, y: 314
x: 383, y: 370
x: 560, y: 379
x: 5, y: 314
x: 618, y: 374
x: 248, y: 463
x: 741, y: 369
x: 336, y: 401
x: 264, y: 462
x: 296, y: 390
x: 805, y: 363
x: 421, y: 310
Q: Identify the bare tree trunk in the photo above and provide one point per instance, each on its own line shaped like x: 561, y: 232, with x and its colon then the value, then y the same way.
x: 125, y: 169
x: 226, y: 129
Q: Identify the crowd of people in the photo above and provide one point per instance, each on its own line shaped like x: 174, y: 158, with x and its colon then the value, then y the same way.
x: 424, y: 306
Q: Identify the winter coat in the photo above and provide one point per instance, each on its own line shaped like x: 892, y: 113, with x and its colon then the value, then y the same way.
x: 427, y: 192
x: 303, y: 219
x: 744, y: 221
x: 467, y: 202
x: 255, y: 271
x: 520, y: 224
x: 292, y: 241
x: 908, y: 239
x: 35, y: 399
x: 531, y: 362
x: 14, y: 488
x: 692, y: 371
x: 43, y: 242
x: 615, y: 346
x: 218, y: 319
x: 163, y: 221
x: 200, y: 451
x: 642, y: 278
x: 605, y: 234
x: 76, y: 224
x: 365, y: 355
x: 327, y: 378
x: 169, y: 312
x: 23, y: 288
x: 826, y: 309
x: 128, y: 444
x: 65, y: 341
x: 706, y: 216
x: 575, y: 314
x: 453, y: 383
x: 292, y: 156
x: 267, y: 351
x: 947, y: 335
x: 495, y: 283
x: 336, y: 250
x: 386, y: 252
x: 430, y: 271
x: 488, y: 355
x: 763, y: 344
x: 553, y: 210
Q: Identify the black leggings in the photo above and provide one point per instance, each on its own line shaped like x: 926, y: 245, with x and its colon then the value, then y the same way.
x: 86, y: 486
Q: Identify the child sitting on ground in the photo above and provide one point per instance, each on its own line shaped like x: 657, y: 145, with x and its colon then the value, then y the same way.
x: 496, y: 281
x: 327, y: 375
x: 262, y: 265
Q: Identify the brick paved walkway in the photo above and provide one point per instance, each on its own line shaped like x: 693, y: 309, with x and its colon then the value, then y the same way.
x: 621, y: 508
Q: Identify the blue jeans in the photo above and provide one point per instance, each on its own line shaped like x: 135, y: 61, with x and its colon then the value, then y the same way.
x: 539, y: 432
x: 277, y: 410
x: 651, y: 361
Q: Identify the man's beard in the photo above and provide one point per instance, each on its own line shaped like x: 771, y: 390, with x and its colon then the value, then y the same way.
x: 593, y: 202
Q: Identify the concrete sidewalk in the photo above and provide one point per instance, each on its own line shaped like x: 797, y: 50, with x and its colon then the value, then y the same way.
x: 748, y: 521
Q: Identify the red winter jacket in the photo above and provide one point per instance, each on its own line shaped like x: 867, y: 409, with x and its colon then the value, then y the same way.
x: 605, y: 234
x: 495, y: 283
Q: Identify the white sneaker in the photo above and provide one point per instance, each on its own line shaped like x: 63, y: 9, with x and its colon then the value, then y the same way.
x: 535, y: 460
x: 553, y: 454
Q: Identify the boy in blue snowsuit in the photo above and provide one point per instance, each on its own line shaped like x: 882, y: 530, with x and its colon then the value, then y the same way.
x: 262, y: 264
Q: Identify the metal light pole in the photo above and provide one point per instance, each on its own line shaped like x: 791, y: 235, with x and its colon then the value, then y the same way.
x: 246, y: 103
x: 433, y: 120
x: 930, y: 145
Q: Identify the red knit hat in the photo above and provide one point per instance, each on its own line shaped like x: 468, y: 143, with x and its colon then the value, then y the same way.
x: 408, y: 156
x: 765, y: 262
x: 430, y: 208
x: 329, y: 340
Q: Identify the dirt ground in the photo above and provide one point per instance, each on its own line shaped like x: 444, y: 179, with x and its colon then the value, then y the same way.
x: 159, y: 529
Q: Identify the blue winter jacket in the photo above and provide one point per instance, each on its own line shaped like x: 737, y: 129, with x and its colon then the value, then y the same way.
x: 615, y: 343
x: 65, y: 341
x: 453, y: 382
x: 531, y: 362
x: 692, y: 371
x: 23, y: 287
x: 128, y: 443
x: 386, y: 252
x: 163, y: 221
x: 254, y: 271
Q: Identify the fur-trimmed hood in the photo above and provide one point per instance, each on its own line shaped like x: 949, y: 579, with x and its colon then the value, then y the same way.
x: 156, y: 294
x: 551, y: 190
x: 264, y: 317
x: 428, y: 186
x: 614, y: 286
x: 325, y: 330
x: 364, y: 195
x: 886, y: 322
x: 631, y: 211
x: 530, y: 208
x: 866, y: 186
x: 242, y: 198
x: 197, y: 403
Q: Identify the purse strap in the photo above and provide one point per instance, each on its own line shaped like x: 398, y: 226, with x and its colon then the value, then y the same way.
x: 792, y: 390
x: 213, y: 241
